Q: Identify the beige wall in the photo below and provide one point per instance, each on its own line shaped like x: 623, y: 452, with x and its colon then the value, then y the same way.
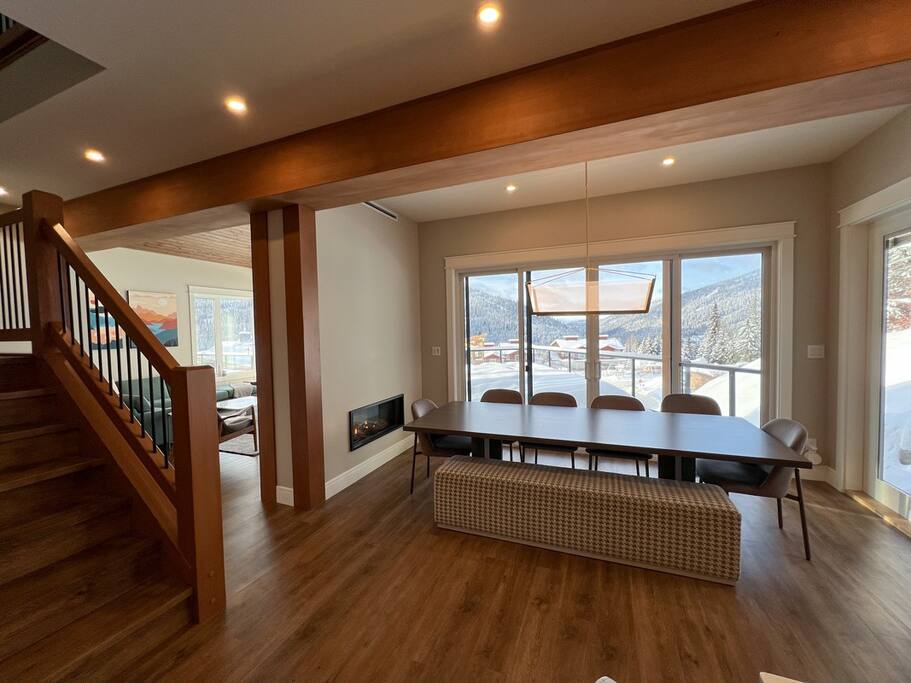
x: 798, y: 194
x: 881, y: 159
x: 131, y: 269
x: 369, y: 308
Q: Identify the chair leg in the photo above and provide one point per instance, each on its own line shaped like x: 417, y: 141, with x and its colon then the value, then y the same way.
x: 414, y: 457
x: 589, y: 461
x: 780, y: 521
x: 803, y: 514
x: 572, y: 459
x: 536, y: 456
x: 647, y: 475
x: 637, y: 468
x: 428, y: 467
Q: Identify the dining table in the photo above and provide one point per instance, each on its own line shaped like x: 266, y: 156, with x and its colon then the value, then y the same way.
x: 678, y: 435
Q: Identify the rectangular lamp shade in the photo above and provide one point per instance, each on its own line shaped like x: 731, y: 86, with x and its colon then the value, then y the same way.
x: 633, y: 295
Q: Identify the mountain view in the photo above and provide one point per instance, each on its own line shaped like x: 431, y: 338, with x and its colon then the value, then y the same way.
x: 721, y: 322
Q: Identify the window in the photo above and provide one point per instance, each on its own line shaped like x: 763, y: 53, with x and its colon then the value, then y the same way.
x: 222, y: 326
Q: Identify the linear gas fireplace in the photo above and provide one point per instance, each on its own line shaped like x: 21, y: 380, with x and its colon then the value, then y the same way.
x: 368, y: 423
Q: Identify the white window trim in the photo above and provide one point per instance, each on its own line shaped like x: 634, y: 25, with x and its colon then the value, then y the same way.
x: 856, y: 222
x: 777, y: 236
x: 193, y: 290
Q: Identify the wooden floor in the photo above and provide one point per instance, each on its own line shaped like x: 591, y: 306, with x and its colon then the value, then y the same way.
x: 366, y: 589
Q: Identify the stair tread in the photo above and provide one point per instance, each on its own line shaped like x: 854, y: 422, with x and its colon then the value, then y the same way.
x: 27, y: 431
x: 58, y: 653
x: 36, y: 392
x: 16, y: 359
x: 48, y: 599
x: 48, y: 506
x: 23, y: 474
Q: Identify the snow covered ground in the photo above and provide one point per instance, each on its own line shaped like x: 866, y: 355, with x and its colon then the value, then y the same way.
x: 747, y: 389
x: 896, y: 436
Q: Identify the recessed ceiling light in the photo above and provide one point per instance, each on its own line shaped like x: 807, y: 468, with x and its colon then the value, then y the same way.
x: 489, y: 14
x: 236, y: 105
x: 511, y: 188
x: 668, y: 161
x: 3, y: 192
x: 94, y: 155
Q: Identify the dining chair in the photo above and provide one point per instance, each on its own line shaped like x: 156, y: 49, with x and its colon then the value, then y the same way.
x: 434, y: 445
x: 551, y: 398
x: 767, y: 481
x: 684, y: 403
x: 617, y: 402
x: 503, y: 396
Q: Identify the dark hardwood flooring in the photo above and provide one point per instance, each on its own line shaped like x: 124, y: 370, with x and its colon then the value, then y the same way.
x: 366, y: 589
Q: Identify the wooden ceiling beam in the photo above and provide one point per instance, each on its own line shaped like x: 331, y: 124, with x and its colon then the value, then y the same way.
x: 746, y: 50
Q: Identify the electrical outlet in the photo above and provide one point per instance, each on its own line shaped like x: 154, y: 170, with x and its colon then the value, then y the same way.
x: 436, y: 351
x: 816, y: 351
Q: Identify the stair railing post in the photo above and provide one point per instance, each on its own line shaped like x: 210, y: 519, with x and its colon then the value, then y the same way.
x: 198, y: 486
x: 44, y: 303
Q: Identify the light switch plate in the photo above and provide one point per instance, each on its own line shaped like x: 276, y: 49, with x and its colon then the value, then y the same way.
x: 435, y: 351
x: 816, y: 351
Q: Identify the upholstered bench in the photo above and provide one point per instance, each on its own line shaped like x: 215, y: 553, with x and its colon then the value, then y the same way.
x: 672, y: 526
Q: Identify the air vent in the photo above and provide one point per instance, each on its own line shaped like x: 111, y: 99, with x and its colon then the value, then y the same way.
x: 383, y: 210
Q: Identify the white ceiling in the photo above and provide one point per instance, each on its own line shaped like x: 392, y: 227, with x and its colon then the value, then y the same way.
x: 763, y: 150
x: 170, y: 63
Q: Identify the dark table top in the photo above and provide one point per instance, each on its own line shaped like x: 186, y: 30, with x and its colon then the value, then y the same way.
x: 703, y: 436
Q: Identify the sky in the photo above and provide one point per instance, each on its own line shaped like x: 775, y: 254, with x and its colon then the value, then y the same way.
x: 696, y: 273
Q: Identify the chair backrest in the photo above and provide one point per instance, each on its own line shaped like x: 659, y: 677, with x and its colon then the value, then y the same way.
x: 501, y: 396
x: 617, y: 402
x: 421, y: 407
x: 690, y: 403
x: 790, y: 432
x: 554, y: 398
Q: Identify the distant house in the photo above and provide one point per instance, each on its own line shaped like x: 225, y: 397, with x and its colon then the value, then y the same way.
x: 572, y: 342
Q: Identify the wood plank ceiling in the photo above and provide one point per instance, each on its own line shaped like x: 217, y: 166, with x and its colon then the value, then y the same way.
x: 227, y: 245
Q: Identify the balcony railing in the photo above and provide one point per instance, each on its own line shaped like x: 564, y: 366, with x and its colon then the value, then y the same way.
x: 6, y: 23
x: 640, y: 365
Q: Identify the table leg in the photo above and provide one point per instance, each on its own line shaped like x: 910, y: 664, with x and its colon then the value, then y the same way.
x: 681, y: 468
x: 678, y: 468
x: 487, y: 448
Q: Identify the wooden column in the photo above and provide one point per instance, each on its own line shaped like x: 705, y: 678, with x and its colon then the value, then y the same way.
x: 305, y: 399
x: 39, y: 208
x: 262, y: 316
x: 199, y: 524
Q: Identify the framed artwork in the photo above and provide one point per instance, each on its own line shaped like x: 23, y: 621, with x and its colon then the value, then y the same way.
x: 103, y: 330
x: 158, y: 310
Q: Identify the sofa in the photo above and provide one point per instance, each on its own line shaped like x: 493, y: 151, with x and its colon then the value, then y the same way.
x: 152, y: 409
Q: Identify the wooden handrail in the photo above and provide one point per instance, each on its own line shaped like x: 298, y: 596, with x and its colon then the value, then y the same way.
x: 137, y: 330
x: 183, y: 494
x: 11, y: 217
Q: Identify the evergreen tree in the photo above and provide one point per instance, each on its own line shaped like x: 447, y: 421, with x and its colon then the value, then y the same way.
x: 713, y: 345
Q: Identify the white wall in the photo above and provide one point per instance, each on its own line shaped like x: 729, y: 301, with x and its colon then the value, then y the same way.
x: 369, y: 307
x: 131, y: 269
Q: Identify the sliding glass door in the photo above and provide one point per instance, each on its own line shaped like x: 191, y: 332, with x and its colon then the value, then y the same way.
x: 721, y: 332
x: 705, y: 333
x: 889, y: 456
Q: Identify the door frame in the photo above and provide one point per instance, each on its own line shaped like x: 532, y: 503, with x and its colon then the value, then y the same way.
x: 777, y: 237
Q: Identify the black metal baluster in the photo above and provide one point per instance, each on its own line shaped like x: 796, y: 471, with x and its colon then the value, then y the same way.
x: 165, y: 445
x: 4, y: 280
x: 69, y: 299
x: 98, y: 336
x: 19, y: 246
x: 152, y: 403
x: 79, y: 306
x: 129, y: 376
x: 88, y: 324
x: 142, y: 412
x: 107, y: 336
x: 60, y: 287
x: 119, y: 366
x: 16, y: 277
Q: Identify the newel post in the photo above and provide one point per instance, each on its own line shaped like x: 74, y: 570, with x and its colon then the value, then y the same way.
x: 44, y: 305
x: 197, y: 475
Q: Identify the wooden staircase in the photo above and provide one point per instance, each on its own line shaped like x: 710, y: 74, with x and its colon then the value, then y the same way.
x: 83, y: 592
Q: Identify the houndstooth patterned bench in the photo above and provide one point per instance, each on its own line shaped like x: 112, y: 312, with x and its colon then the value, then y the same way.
x: 677, y: 527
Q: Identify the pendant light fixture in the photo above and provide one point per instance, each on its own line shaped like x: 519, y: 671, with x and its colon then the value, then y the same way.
x: 604, y: 290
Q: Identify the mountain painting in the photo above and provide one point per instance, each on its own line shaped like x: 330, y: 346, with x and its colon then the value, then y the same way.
x: 158, y: 310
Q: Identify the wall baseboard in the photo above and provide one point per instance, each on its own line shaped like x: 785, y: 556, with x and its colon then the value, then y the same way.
x: 821, y: 473
x: 285, y: 494
x: 347, y: 478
